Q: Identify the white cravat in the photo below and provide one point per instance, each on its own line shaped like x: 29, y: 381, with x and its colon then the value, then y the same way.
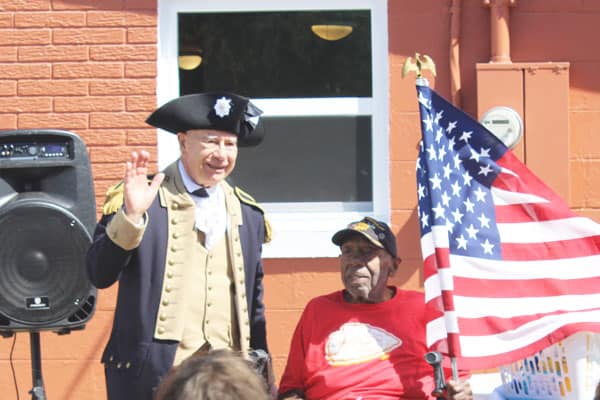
x: 211, y: 212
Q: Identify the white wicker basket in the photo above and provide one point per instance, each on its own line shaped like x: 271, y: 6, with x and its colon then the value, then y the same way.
x: 567, y: 370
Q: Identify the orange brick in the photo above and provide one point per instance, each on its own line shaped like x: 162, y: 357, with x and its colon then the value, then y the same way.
x: 17, y: 37
x: 140, y: 4
x: 29, y: 5
x: 117, y: 120
x: 49, y: 19
x: 21, y: 347
x: 405, y: 134
x: 52, y: 87
x: 585, y: 183
x: 99, y: 202
x: 89, y: 36
x: 87, y: 342
x: 8, y: 121
x: 8, y: 54
x: 87, y: 70
x: 103, y: 136
x: 22, y: 376
x: 304, y: 278
x: 108, y: 171
x: 101, y: 186
x: 25, y: 104
x: 25, y: 71
x: 142, y: 18
x: 404, y: 194
x: 126, y: 86
x: 405, y: 225
x: 589, y: 213
x: 278, y: 367
x: 74, y: 380
x: 105, y: 18
x: 53, y: 53
x: 283, y: 279
x: 124, y: 53
x: 580, y: 96
x: 141, y: 35
x: 141, y: 137
x: 81, y: 104
x: 585, y: 143
x: 141, y: 103
x: 585, y: 6
x: 107, y: 298
x: 115, y: 154
x: 409, y: 275
x: 53, y: 121
x: 280, y: 328
x: 87, y: 5
x: 8, y: 88
x: 6, y: 20
x: 140, y: 69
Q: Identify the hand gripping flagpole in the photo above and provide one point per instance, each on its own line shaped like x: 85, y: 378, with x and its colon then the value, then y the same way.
x: 417, y: 64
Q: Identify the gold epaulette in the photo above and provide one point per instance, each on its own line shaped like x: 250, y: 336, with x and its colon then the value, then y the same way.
x: 114, y: 199
x: 247, y: 199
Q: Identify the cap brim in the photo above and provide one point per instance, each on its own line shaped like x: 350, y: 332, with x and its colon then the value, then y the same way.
x: 341, y: 236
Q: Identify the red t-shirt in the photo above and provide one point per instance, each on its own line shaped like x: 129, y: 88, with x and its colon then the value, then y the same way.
x: 376, y: 351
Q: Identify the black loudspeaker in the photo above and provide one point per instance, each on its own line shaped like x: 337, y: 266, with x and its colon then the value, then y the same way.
x: 47, y: 217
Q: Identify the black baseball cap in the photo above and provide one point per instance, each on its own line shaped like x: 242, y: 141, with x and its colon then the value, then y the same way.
x: 377, y: 232
x: 221, y: 111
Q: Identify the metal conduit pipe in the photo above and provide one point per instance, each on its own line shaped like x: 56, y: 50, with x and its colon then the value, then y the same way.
x: 455, y: 82
x: 499, y: 29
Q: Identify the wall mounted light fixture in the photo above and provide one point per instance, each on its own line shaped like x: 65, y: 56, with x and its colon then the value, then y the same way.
x: 331, y: 32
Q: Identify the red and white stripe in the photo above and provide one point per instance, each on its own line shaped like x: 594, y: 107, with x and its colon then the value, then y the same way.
x: 545, y: 288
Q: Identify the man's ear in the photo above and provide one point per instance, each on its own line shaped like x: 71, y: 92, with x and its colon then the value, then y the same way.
x: 395, y: 265
x: 181, y: 139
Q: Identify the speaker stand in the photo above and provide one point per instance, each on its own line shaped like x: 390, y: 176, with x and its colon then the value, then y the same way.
x: 37, y: 392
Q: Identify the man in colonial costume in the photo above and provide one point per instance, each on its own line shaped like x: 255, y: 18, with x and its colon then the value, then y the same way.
x: 184, y: 246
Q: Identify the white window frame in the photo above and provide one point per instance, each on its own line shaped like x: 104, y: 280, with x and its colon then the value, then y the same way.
x: 299, y: 229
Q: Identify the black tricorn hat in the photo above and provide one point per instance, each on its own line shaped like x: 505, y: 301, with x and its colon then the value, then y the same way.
x: 221, y: 111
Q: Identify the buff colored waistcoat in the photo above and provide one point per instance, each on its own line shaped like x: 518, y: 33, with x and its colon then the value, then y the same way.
x: 211, y: 296
x: 184, y: 314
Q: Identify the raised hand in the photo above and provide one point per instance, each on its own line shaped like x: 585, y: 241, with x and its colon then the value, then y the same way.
x: 138, y: 193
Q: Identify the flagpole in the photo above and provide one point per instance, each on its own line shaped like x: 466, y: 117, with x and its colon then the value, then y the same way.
x: 454, y: 369
x: 425, y: 62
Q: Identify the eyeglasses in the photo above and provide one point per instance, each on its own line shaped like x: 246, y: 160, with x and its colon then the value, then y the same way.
x: 214, y: 143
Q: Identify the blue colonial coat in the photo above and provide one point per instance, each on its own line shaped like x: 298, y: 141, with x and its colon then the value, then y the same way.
x: 135, y: 360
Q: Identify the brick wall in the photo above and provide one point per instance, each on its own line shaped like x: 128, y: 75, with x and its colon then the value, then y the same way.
x: 87, y: 67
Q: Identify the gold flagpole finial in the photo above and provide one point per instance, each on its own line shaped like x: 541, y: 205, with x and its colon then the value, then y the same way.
x: 418, y: 64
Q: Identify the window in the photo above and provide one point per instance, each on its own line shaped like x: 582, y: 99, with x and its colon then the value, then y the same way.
x: 324, y: 161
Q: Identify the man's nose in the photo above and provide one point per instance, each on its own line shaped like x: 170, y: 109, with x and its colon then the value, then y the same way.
x: 221, y: 149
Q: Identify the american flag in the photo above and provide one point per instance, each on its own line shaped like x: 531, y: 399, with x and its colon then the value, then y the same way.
x: 509, y: 269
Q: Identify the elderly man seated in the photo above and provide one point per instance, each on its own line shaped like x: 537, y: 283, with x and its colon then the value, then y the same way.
x: 366, y: 341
